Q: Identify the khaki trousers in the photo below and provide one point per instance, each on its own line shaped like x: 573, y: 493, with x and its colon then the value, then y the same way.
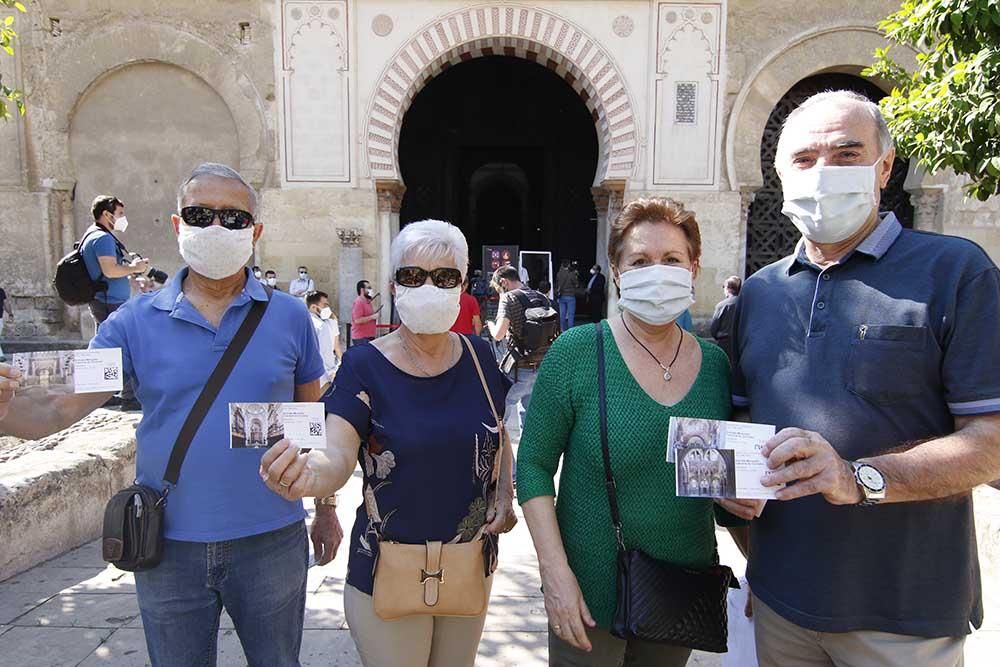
x: 414, y: 641
x: 610, y: 651
x: 781, y: 643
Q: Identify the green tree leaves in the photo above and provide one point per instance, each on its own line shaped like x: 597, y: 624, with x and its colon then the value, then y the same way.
x: 8, y: 94
x: 946, y: 114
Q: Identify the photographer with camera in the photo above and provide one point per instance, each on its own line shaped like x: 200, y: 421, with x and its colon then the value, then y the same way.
x: 110, y: 266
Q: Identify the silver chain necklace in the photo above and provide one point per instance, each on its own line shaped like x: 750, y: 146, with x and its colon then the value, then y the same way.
x: 666, y: 369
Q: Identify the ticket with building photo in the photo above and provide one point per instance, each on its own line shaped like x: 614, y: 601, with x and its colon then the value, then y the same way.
x: 255, y: 425
x: 72, y: 371
x: 719, y: 459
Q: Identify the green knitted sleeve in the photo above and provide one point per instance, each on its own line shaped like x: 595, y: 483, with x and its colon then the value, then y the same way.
x: 549, y: 420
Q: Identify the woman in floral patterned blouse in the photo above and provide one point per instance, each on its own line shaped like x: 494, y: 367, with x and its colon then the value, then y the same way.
x: 428, y: 440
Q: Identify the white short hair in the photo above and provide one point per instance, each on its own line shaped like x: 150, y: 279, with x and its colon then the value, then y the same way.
x: 430, y: 238
x: 220, y: 171
x: 842, y: 98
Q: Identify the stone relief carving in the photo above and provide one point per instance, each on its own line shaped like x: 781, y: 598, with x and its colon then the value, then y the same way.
x: 315, y: 82
x: 688, y: 66
x: 350, y: 238
x: 623, y: 26
x: 382, y: 25
x: 524, y: 32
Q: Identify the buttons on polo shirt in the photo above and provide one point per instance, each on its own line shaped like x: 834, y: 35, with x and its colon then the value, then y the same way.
x: 826, y: 276
x: 821, y: 305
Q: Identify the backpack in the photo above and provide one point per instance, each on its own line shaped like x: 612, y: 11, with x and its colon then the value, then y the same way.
x: 72, y: 280
x: 541, y: 324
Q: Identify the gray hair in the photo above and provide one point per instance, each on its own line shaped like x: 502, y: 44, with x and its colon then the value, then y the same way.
x: 842, y: 98
x: 428, y: 238
x: 220, y: 171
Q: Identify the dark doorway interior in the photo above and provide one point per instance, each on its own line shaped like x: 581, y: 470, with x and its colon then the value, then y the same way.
x: 505, y: 149
x: 770, y: 235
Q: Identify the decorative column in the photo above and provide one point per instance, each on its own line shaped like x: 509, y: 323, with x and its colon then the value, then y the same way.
x: 746, y: 199
x: 349, y: 271
x: 928, y: 204
x: 390, y: 201
x: 59, y: 236
x: 609, y: 199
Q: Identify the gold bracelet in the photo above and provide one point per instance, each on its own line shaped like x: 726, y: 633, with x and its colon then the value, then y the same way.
x: 329, y: 501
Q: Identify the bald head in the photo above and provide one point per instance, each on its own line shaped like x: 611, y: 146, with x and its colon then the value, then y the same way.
x: 845, y: 126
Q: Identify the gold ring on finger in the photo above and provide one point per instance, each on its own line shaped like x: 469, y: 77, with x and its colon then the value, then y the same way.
x: 284, y: 484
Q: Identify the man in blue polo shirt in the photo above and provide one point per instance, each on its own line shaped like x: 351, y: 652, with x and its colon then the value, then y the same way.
x: 874, y: 350
x: 105, y: 259
x: 230, y: 542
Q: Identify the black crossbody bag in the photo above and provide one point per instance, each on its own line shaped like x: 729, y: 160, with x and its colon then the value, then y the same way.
x: 658, y: 601
x: 133, y: 518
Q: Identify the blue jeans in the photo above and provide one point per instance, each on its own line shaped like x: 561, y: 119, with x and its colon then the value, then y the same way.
x: 260, y: 580
x: 567, y: 312
x: 518, y: 399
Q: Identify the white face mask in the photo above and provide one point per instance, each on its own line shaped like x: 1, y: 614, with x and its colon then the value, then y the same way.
x: 829, y: 204
x: 303, y: 275
x: 656, y: 294
x: 257, y: 275
x: 271, y: 282
x: 428, y: 309
x: 121, y: 224
x: 370, y: 293
x: 215, y: 252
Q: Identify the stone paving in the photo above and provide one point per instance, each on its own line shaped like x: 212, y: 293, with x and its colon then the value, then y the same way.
x: 74, y: 611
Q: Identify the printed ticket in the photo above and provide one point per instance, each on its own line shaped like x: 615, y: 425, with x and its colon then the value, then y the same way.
x: 76, y: 371
x: 253, y: 425
x: 719, y: 459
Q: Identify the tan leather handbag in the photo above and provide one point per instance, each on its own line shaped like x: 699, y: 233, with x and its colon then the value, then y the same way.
x: 435, y: 578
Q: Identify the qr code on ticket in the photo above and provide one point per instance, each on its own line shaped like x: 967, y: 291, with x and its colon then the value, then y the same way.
x: 111, y: 373
x: 315, y: 428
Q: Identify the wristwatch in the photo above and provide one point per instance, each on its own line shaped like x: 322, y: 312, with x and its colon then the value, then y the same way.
x: 871, y: 482
x: 329, y: 501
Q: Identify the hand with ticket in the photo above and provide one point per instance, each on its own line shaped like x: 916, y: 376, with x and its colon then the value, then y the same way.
x: 291, y: 473
x: 743, y: 508
x: 808, y: 464
x: 9, y: 377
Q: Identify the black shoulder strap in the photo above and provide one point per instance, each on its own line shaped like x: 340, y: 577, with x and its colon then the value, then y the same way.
x: 121, y: 246
x: 609, y: 480
x: 522, y: 298
x: 214, y: 385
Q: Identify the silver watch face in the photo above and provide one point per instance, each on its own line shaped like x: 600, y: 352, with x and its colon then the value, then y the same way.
x: 871, y: 478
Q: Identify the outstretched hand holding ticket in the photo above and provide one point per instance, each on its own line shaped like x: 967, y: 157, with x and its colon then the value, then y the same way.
x: 292, y: 474
x: 809, y: 464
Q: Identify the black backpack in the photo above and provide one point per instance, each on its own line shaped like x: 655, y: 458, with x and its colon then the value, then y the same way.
x: 541, y: 323
x: 72, y: 280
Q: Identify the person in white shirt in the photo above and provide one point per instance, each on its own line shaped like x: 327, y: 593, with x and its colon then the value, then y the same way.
x: 328, y: 333
x: 302, y: 285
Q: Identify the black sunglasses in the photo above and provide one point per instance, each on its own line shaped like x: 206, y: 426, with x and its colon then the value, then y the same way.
x: 202, y: 216
x: 414, y: 276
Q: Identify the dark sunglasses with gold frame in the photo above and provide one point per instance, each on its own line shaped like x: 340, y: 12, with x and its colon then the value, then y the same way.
x: 414, y: 276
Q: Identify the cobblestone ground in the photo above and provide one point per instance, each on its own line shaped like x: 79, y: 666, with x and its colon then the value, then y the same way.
x: 74, y: 611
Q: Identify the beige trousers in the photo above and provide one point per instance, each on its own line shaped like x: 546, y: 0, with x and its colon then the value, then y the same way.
x: 414, y: 641
x: 610, y: 651
x: 781, y: 643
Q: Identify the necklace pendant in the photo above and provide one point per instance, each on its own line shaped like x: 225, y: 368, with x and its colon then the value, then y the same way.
x: 666, y: 375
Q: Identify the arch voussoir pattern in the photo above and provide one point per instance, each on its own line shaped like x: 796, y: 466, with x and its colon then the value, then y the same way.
x: 505, y: 30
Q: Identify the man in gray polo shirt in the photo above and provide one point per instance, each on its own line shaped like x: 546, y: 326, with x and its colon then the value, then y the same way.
x: 874, y: 349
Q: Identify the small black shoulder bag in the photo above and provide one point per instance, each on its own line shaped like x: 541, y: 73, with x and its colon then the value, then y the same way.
x: 659, y: 601
x: 133, y: 518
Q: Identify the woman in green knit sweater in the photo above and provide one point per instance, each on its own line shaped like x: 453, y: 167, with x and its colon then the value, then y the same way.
x: 654, y: 371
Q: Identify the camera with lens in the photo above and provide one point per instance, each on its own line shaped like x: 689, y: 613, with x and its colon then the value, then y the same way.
x: 158, y: 276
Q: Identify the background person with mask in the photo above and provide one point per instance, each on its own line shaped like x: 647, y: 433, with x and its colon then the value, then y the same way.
x: 271, y: 280
x: 258, y: 274
x: 654, y: 371
x: 596, y: 293
x: 874, y: 350
x: 363, y: 315
x: 302, y: 285
x: 428, y: 439
x: 106, y: 262
x: 105, y: 258
x: 230, y: 542
x: 328, y: 333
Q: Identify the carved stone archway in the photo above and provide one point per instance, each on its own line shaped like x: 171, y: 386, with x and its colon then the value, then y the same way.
x: 508, y: 30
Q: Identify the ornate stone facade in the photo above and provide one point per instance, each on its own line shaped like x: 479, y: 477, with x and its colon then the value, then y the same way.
x: 307, y: 98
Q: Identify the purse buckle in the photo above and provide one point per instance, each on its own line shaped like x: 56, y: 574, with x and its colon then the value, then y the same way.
x: 432, y: 574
